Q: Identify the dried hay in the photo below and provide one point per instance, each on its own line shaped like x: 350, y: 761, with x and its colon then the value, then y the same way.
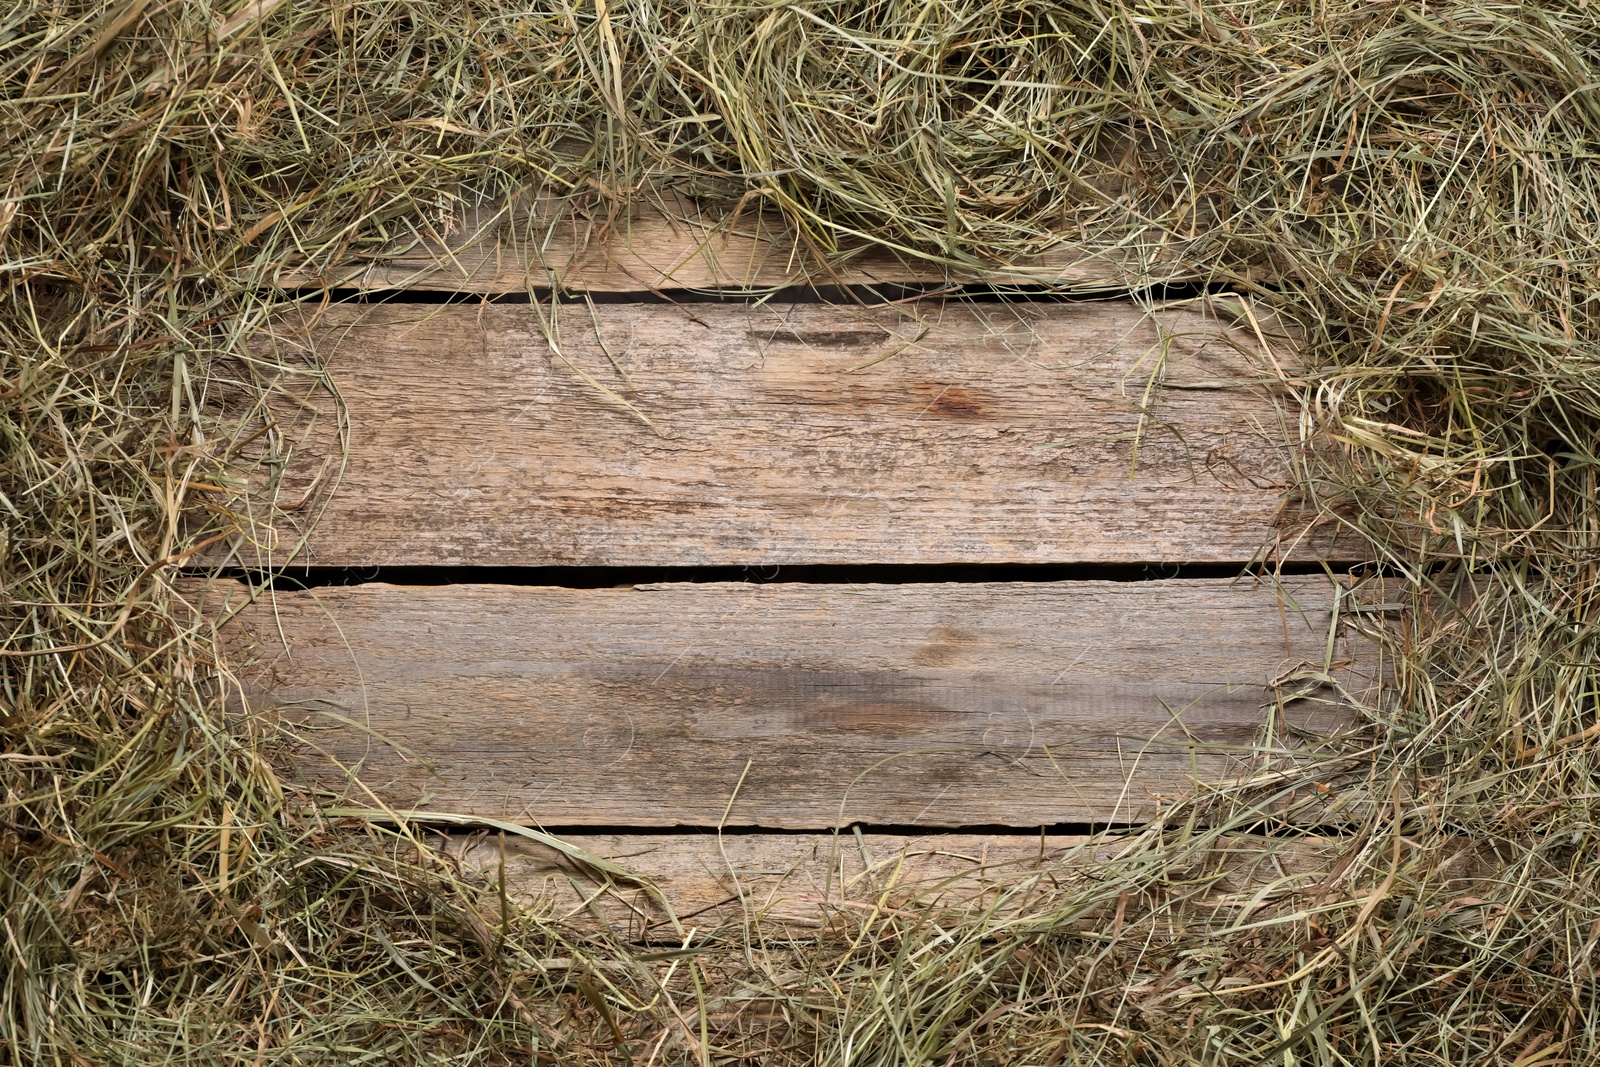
x: 1415, y: 186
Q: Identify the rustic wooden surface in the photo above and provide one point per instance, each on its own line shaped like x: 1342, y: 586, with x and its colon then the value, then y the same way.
x: 792, y: 882
x: 677, y: 245
x: 788, y: 706
x: 734, y: 434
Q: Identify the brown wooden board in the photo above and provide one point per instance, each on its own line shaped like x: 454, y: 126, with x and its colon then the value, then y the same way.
x: 783, y: 882
x: 708, y: 434
x: 678, y: 245
x: 789, y: 706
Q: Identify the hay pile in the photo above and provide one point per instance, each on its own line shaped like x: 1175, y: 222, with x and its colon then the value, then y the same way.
x: 1418, y: 186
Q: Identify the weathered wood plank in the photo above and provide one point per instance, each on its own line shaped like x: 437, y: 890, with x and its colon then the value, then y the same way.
x: 790, y: 882
x: 788, y: 706
x: 679, y: 245
x: 730, y: 434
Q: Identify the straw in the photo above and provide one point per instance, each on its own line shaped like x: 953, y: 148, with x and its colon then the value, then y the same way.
x: 1415, y: 189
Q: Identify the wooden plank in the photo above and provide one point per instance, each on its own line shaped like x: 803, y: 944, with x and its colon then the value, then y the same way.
x: 676, y: 244
x: 788, y: 706
x: 731, y: 434
x: 785, y: 883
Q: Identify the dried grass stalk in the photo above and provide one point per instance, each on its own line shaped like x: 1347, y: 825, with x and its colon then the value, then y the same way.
x: 1416, y: 187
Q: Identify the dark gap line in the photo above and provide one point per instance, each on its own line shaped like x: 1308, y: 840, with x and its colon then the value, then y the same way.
x: 293, y: 578
x: 848, y: 295
x: 846, y: 833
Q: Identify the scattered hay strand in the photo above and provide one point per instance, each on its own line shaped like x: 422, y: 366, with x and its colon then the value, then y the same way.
x: 1414, y: 187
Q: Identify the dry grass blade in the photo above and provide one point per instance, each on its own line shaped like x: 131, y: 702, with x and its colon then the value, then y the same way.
x: 1415, y: 186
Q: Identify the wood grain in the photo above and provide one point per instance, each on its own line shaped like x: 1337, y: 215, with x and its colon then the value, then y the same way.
x: 788, y: 706
x: 792, y: 882
x: 729, y: 434
x: 678, y: 245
